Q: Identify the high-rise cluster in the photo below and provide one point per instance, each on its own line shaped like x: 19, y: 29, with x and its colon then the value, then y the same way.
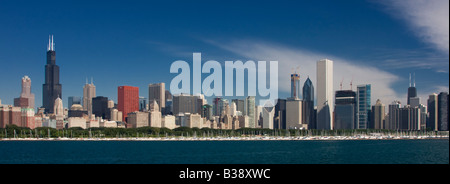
x: 317, y: 106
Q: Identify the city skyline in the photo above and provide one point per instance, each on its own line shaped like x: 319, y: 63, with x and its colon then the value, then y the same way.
x: 81, y: 55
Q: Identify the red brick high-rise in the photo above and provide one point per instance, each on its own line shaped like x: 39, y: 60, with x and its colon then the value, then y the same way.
x: 128, y: 100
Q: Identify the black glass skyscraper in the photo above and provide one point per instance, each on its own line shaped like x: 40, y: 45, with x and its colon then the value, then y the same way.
x: 308, y: 104
x: 345, y: 110
x: 443, y: 111
x: 100, y: 107
x: 412, y: 91
x: 51, y: 89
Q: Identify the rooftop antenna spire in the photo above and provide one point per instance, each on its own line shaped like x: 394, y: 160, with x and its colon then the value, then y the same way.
x: 53, y: 45
x: 92, y: 80
x: 414, y: 82
x: 409, y: 79
x: 351, y: 84
x: 49, y: 43
x: 86, y: 80
x: 342, y: 82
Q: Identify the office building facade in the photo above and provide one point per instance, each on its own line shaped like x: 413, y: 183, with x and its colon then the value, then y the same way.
x: 157, y: 92
x: 308, y: 104
x: 325, y: 95
x: 26, y: 99
x: 432, y: 104
x: 295, y: 86
x: 100, y: 107
x: 443, y: 111
x: 363, y: 106
x: 89, y: 92
x: 127, y: 100
x: 345, y: 110
x: 51, y: 89
x: 378, y: 116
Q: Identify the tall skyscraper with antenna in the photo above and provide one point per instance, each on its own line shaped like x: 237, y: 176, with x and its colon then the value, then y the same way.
x: 51, y: 89
x: 412, y: 91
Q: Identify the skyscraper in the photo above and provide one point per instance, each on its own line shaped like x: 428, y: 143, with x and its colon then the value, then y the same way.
x: 378, y: 111
x: 408, y: 118
x: 154, y: 115
x: 268, y: 115
x: 216, y: 106
x: 443, y: 111
x: 433, y: 112
x: 412, y: 91
x: 309, y: 116
x: 345, y: 110
x: 363, y: 106
x: 100, y: 107
x: 58, y: 110
x: 250, y: 111
x: 127, y: 100
x: 51, y: 89
x: 423, y: 116
x: 233, y: 109
x: 207, y: 112
x: 26, y: 99
x: 325, y: 95
x: 88, y: 94
x: 294, y: 116
x: 295, y: 86
x: 157, y: 92
x: 239, y: 105
x: 394, y: 115
x: 280, y: 114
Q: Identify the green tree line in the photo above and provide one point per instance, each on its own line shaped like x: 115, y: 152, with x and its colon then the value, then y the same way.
x: 13, y: 131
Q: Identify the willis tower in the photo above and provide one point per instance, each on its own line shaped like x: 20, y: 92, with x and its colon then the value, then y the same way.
x: 52, y: 88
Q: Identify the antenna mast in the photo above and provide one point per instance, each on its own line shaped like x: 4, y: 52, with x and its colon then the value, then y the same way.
x: 351, y: 84
x: 409, y: 79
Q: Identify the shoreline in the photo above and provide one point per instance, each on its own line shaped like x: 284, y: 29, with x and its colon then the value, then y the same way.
x: 256, y: 138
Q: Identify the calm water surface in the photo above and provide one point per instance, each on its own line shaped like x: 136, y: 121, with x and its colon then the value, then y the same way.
x: 226, y: 152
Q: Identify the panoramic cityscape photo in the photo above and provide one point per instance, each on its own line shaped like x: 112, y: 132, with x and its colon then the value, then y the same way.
x: 224, y: 82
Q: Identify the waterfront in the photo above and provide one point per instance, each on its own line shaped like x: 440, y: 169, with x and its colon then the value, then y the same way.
x: 402, y: 151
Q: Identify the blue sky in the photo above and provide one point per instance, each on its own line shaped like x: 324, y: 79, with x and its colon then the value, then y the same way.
x: 135, y: 42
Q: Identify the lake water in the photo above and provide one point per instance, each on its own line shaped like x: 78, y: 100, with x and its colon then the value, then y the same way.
x: 226, y: 152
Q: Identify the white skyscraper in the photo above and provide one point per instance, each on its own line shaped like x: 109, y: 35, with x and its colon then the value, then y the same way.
x: 58, y: 108
x: 325, y: 96
x: 154, y: 115
x: 268, y: 113
x: 233, y: 110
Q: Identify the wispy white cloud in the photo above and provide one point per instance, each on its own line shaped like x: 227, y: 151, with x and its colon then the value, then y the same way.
x: 289, y: 58
x: 421, y: 58
x: 429, y: 19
